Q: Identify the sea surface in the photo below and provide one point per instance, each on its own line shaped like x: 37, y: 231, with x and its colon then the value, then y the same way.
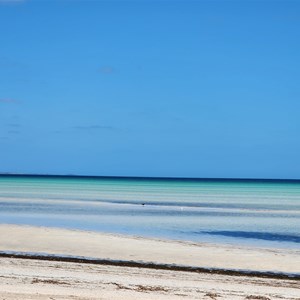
x: 248, y: 212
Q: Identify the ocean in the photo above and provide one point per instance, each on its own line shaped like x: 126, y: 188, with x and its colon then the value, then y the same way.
x: 246, y: 212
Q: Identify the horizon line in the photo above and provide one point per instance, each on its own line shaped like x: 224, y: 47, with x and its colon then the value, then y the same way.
x: 8, y: 174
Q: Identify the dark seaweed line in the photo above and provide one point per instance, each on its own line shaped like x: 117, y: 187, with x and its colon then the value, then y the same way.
x: 156, y: 266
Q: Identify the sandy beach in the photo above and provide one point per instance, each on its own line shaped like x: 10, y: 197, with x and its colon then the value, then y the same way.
x: 23, y: 279
x: 39, y: 279
x: 126, y: 248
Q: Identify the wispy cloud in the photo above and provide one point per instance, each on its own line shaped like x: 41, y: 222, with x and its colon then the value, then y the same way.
x: 8, y: 100
x: 14, y: 132
x: 12, y: 1
x: 14, y: 125
x: 107, y: 70
x: 94, y: 127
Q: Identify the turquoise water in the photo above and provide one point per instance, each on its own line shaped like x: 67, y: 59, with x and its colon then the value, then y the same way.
x: 265, y: 213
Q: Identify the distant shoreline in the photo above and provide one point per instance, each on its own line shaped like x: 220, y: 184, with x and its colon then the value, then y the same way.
x: 144, y: 178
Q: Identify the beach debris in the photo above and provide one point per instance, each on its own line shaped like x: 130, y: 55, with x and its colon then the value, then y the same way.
x: 48, y: 281
x: 120, y: 286
x: 254, y: 297
x: 148, y: 288
x: 141, y: 288
x: 212, y: 295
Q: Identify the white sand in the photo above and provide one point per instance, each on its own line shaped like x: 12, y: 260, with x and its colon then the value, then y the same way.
x: 25, y: 279
x: 115, y: 247
x: 22, y: 279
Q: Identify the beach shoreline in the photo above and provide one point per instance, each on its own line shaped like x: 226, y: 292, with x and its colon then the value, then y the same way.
x: 52, y: 263
x: 113, y: 249
x: 47, y: 280
x: 145, y: 265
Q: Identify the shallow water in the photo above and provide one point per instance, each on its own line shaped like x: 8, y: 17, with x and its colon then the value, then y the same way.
x: 264, y: 213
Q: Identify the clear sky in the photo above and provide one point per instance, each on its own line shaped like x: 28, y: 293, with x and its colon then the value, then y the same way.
x: 150, y: 88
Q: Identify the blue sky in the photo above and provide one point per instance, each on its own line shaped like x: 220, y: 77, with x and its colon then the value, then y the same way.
x: 150, y: 88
